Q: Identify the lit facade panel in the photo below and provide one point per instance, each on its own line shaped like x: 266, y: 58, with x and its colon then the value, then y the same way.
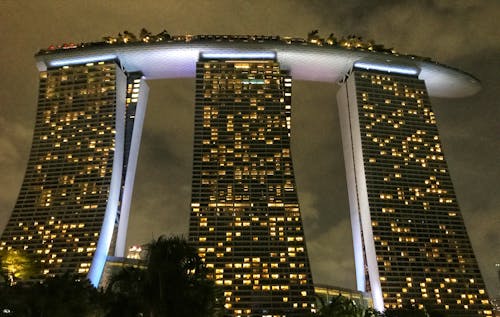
x: 245, y: 219
x: 67, y: 193
x: 410, y: 233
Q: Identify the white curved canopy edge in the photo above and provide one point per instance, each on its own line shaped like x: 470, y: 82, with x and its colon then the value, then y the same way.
x: 305, y: 62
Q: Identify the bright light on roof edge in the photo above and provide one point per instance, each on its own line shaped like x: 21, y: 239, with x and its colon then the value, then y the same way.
x: 406, y: 70
x: 238, y: 55
x: 83, y: 60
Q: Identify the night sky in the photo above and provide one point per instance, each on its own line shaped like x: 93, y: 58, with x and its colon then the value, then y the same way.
x: 463, y: 34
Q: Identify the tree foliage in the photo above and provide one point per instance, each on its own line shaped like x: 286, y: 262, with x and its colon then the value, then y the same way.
x: 56, y: 297
x: 17, y: 265
x: 341, y: 306
x: 127, y: 292
x: 173, y: 283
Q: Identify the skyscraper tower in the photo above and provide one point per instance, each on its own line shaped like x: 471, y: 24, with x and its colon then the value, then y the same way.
x: 409, y: 236
x: 245, y: 218
x: 67, y: 214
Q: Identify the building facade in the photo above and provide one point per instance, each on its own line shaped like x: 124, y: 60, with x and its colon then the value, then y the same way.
x: 245, y: 218
x: 411, y: 244
x: 67, y: 214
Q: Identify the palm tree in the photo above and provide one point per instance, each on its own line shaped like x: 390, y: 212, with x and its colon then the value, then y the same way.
x: 127, y: 291
x: 173, y: 283
x: 66, y: 295
x: 341, y: 306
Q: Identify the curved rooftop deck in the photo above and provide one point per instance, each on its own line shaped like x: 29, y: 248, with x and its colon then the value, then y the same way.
x: 305, y: 60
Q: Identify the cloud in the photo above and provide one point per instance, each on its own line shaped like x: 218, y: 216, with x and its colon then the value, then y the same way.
x: 11, y: 133
x: 14, y: 145
x: 442, y: 30
x: 483, y: 228
x: 332, y: 257
x: 308, y: 209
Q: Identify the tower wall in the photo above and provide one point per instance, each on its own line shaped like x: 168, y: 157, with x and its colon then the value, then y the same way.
x: 245, y: 220
x: 67, y: 204
x: 415, y: 242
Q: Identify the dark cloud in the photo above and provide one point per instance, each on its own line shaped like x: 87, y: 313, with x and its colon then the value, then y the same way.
x: 463, y: 34
x: 332, y: 259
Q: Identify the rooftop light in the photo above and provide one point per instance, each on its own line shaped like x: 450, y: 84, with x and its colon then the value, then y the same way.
x: 400, y: 69
x: 82, y: 60
x: 238, y: 55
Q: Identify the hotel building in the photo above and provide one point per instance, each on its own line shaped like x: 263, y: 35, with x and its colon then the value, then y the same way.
x: 75, y: 189
x: 410, y: 242
x: 245, y: 218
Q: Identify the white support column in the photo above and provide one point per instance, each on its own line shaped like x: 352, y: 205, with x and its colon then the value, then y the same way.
x: 345, y: 127
x: 106, y: 234
x: 358, y: 194
x: 131, y: 168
